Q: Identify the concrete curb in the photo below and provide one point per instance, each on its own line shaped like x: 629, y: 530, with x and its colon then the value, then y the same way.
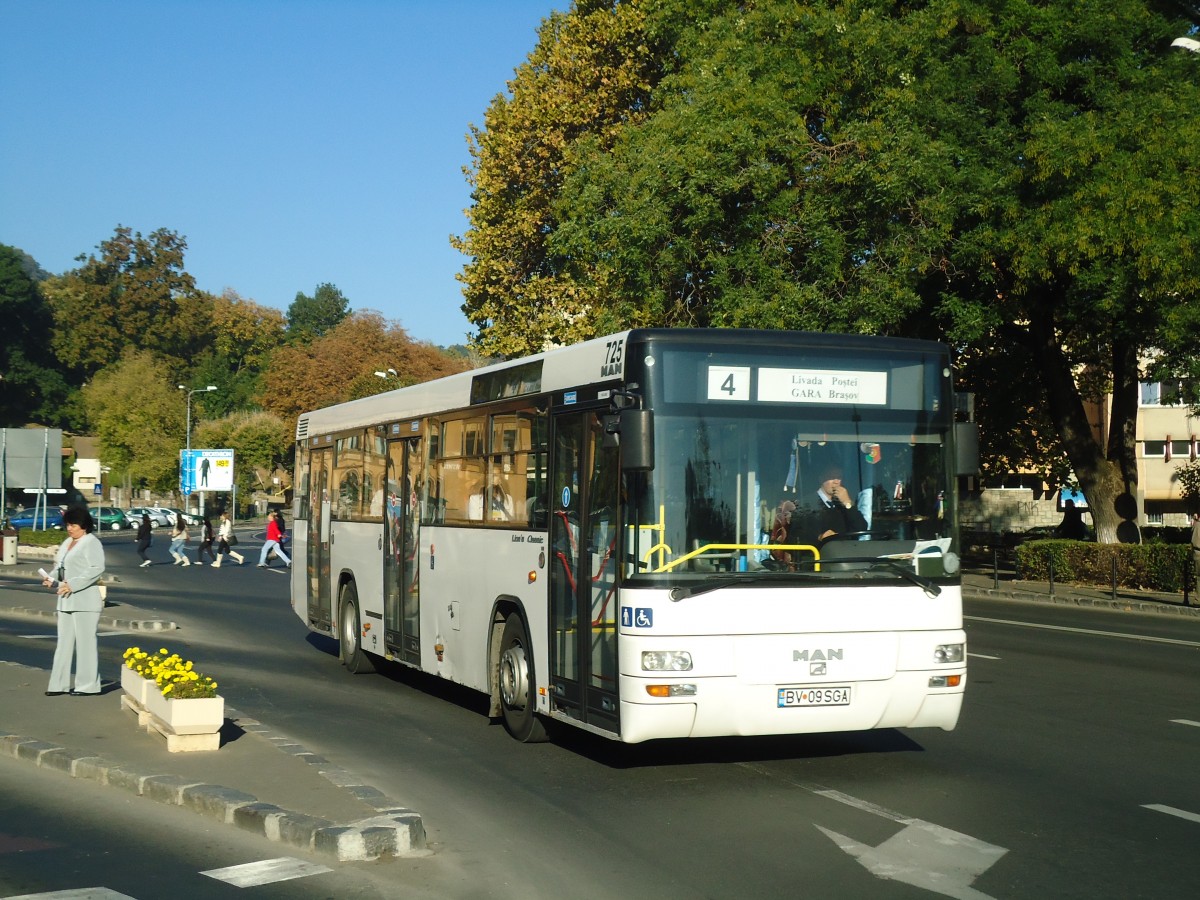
x: 108, y: 620
x: 396, y: 831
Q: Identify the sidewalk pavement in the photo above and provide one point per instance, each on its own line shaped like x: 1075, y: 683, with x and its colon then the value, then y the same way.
x: 267, y: 783
x: 987, y: 584
x: 258, y: 780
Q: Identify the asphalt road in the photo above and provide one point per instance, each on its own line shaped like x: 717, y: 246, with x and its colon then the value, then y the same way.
x: 1070, y: 775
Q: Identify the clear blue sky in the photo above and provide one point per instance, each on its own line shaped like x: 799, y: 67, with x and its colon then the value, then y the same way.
x: 292, y: 142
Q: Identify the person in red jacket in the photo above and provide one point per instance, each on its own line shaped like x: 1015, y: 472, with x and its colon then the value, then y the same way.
x: 275, y: 538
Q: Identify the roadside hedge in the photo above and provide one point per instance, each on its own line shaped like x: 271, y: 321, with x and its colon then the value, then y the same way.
x: 48, y: 538
x: 1149, y: 567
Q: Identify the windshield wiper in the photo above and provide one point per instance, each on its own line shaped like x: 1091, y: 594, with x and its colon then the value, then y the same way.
x: 720, y: 581
x: 926, y: 584
x: 904, y: 571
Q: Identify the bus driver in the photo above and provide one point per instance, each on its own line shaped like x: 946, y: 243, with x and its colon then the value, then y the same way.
x: 836, y: 511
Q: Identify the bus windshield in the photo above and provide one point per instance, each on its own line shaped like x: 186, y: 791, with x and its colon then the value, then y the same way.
x: 816, y: 489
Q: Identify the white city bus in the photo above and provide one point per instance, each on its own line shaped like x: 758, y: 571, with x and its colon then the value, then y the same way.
x: 594, y: 534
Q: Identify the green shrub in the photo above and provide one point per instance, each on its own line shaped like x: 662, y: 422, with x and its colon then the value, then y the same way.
x: 1154, y: 567
x: 31, y: 538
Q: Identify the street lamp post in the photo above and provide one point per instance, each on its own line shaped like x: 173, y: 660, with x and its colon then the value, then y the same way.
x: 187, y: 456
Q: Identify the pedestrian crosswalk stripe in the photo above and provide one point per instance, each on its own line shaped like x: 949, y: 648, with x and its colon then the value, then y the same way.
x: 268, y: 871
x: 96, y: 893
x: 1172, y: 811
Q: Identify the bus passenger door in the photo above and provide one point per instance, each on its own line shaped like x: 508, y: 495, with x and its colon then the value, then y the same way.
x: 401, y: 549
x: 583, y: 550
x: 320, y: 610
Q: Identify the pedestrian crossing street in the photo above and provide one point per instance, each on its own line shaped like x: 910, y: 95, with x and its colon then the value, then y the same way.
x: 255, y: 874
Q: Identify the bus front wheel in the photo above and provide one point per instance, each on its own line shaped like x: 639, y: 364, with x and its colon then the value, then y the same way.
x: 354, y: 658
x: 518, y: 685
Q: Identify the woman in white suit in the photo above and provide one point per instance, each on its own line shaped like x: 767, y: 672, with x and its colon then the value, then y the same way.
x: 78, y: 568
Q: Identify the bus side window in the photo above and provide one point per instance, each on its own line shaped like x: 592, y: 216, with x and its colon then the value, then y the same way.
x: 374, y: 468
x: 537, y: 489
x: 461, y: 479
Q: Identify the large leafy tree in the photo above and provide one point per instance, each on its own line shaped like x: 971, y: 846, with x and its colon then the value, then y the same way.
x: 341, y: 365
x: 1014, y: 177
x: 590, y: 75
x: 32, y: 387
x: 140, y: 416
x: 244, y: 336
x: 135, y: 293
x: 309, y: 318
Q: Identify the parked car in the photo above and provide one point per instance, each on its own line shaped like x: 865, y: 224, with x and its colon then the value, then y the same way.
x: 26, y: 519
x: 109, y: 518
x: 171, y: 513
x: 157, y: 517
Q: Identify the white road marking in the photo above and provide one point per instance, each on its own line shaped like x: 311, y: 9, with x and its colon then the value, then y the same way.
x: 922, y: 854
x: 926, y: 856
x: 96, y: 893
x: 51, y: 637
x: 1113, y: 634
x: 982, y: 656
x: 1186, y: 722
x: 1172, y: 811
x: 268, y: 871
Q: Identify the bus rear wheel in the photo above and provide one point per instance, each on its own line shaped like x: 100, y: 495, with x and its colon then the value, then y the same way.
x: 354, y: 658
x: 518, y: 685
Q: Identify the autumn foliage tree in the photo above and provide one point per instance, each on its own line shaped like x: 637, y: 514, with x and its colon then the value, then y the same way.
x: 590, y: 75
x: 341, y: 365
x: 244, y: 335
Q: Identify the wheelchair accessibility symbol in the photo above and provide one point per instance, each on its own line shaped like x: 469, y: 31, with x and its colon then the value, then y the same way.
x: 637, y: 617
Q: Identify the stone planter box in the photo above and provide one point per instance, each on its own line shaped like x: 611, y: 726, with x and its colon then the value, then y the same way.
x: 203, y: 715
x: 190, y: 724
x: 136, y: 686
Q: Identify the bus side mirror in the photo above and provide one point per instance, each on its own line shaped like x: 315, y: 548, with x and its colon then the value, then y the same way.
x: 966, y: 443
x: 636, y: 427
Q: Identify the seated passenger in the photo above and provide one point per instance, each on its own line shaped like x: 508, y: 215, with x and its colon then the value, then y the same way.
x: 494, y: 505
x: 780, y: 530
x: 500, y: 509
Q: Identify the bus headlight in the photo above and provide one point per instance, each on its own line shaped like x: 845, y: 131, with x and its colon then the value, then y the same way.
x: 666, y: 661
x: 948, y: 653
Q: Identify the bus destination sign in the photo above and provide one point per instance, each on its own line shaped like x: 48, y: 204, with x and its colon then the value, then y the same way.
x: 818, y: 386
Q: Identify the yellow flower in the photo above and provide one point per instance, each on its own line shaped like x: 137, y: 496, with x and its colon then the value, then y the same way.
x: 174, y: 676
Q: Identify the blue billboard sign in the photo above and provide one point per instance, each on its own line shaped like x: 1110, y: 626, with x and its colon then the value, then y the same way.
x: 205, y: 470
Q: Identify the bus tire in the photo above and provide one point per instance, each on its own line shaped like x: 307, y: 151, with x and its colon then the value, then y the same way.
x: 354, y: 658
x: 518, y: 684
